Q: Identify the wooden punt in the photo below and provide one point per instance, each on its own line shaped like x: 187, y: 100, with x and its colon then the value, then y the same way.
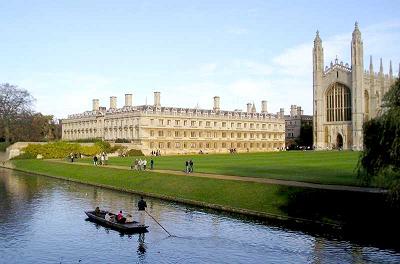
x: 132, y: 227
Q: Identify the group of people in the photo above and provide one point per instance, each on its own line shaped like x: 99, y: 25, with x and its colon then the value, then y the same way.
x: 101, y: 160
x: 232, y: 151
x: 156, y: 152
x: 141, y: 164
x: 189, y: 166
x: 74, y: 156
x: 127, y: 218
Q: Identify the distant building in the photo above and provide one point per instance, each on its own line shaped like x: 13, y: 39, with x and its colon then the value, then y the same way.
x: 174, y: 130
x: 293, y: 123
x: 345, y: 96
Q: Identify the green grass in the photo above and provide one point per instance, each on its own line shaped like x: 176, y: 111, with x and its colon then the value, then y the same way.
x: 263, y: 198
x: 326, y: 167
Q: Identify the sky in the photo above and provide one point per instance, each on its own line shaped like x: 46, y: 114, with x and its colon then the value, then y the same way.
x: 66, y: 53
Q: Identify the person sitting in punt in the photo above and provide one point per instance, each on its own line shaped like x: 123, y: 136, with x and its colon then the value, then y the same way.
x: 129, y: 218
x: 120, y: 218
x: 109, y: 217
x: 97, y: 211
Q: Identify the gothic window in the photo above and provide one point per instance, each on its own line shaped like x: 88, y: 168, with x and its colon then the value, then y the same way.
x: 338, y: 103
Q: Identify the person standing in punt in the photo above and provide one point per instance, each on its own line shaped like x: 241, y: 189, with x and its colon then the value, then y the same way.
x: 142, y: 209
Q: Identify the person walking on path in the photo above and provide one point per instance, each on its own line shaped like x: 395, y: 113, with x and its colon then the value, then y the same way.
x: 95, y: 160
x: 191, y: 166
x: 144, y: 164
x: 187, y: 166
x: 142, y: 210
x: 105, y: 159
x: 151, y: 164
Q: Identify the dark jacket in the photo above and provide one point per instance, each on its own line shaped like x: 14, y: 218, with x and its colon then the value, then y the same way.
x: 142, y: 205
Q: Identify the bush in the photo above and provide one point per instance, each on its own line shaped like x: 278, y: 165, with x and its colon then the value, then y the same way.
x: 134, y: 152
x: 122, y: 140
x: 59, y: 150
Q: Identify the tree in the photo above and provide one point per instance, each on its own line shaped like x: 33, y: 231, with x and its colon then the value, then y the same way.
x: 306, y: 135
x: 380, y: 160
x: 14, y: 102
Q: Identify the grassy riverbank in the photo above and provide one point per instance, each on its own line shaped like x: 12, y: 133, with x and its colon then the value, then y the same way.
x: 258, y: 197
x: 326, y: 167
x: 353, y: 209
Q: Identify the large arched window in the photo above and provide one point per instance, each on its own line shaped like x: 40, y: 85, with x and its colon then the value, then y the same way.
x: 338, y: 103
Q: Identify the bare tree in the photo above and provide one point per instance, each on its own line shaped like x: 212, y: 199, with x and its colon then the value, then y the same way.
x: 13, y: 103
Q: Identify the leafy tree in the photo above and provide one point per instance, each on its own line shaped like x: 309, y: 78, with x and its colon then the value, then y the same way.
x: 380, y: 160
x: 306, y: 135
x: 14, y: 102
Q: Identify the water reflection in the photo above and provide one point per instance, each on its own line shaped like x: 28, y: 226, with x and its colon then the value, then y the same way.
x: 45, y: 224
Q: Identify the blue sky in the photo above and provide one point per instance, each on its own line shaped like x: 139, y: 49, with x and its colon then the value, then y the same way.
x: 69, y: 52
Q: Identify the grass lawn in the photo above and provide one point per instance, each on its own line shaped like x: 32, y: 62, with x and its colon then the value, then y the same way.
x: 327, y: 167
x: 242, y: 195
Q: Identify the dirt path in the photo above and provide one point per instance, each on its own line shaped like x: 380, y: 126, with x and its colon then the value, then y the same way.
x: 251, y: 179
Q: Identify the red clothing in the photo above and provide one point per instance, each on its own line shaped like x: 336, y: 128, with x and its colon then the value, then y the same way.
x: 119, y: 216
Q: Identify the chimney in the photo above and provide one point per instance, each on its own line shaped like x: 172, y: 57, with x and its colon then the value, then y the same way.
x: 216, y: 103
x: 128, y: 100
x: 157, y: 99
x: 96, y: 105
x: 248, y: 107
x: 293, y: 110
x: 282, y: 112
x: 264, y: 107
x: 299, y: 111
x: 113, y: 102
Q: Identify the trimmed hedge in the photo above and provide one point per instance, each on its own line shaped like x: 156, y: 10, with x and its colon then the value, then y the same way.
x: 60, y: 150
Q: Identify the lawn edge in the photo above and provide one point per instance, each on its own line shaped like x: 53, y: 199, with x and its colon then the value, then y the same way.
x: 270, y: 218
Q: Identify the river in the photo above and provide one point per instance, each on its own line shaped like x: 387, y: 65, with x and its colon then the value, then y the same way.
x: 43, y: 221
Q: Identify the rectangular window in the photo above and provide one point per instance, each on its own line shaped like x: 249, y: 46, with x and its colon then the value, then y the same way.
x: 160, y: 122
x: 223, y: 124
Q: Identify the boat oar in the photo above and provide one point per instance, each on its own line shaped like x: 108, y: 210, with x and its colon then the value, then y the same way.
x: 158, y: 223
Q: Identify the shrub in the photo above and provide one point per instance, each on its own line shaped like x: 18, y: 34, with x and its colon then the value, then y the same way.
x: 134, y: 152
x: 122, y: 140
x: 59, y: 150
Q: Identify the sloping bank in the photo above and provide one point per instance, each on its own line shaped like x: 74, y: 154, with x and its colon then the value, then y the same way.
x: 274, y: 203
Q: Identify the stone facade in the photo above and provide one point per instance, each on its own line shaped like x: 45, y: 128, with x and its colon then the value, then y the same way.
x: 293, y: 123
x: 344, y: 96
x: 175, y: 130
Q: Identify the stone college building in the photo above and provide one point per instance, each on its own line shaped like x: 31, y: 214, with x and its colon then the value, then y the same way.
x: 345, y: 96
x: 173, y: 130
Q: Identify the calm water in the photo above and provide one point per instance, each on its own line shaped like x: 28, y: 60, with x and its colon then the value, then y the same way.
x: 42, y: 221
